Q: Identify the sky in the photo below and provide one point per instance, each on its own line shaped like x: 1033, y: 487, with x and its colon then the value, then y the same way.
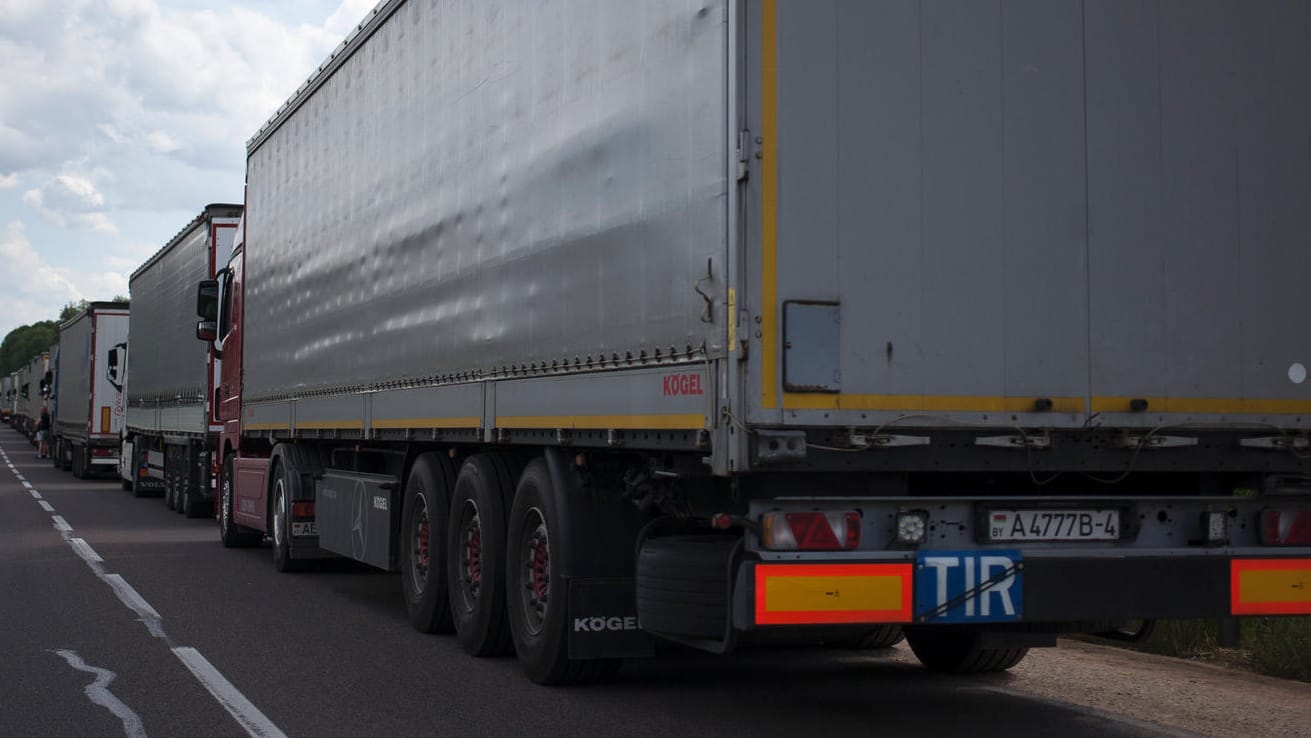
x: 121, y: 119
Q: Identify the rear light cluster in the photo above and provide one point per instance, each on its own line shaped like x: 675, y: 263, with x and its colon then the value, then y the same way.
x: 302, y: 510
x: 1286, y: 527
x: 103, y: 451
x: 811, y: 531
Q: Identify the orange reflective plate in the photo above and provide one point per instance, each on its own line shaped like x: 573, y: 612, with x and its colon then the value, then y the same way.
x: 1270, y: 586
x: 798, y: 594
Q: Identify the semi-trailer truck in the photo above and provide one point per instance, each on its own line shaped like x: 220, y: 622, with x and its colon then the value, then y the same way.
x: 718, y: 320
x: 170, y: 428
x: 87, y: 405
x: 7, y: 393
x: 35, y: 379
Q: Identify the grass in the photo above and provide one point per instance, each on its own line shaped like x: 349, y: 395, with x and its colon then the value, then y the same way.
x: 1279, y: 647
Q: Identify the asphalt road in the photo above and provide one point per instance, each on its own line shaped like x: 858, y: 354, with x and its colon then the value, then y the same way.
x: 114, y: 647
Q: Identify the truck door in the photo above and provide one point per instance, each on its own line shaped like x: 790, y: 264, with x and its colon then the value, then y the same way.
x: 917, y: 231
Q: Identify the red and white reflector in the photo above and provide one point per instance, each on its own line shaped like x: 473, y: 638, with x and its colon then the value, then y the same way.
x: 1286, y: 527
x: 302, y: 509
x: 811, y: 531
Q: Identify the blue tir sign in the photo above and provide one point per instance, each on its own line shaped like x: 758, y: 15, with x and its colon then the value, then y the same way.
x: 968, y: 586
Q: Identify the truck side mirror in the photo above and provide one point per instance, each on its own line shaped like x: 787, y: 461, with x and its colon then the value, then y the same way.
x: 207, y: 330
x: 207, y: 305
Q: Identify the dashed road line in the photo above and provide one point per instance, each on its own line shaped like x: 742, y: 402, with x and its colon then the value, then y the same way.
x: 83, y: 549
x: 245, y: 712
x: 251, y: 719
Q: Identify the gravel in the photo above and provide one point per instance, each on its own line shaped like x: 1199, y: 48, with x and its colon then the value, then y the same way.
x: 1199, y: 698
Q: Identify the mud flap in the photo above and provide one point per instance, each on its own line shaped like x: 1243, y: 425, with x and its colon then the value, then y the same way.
x: 603, y: 620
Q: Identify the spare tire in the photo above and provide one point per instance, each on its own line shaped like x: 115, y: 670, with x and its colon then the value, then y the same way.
x: 684, y: 585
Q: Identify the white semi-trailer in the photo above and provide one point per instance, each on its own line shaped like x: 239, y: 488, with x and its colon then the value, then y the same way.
x: 702, y: 320
x: 87, y: 391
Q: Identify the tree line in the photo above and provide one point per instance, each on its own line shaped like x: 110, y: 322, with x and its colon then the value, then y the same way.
x: 27, y: 341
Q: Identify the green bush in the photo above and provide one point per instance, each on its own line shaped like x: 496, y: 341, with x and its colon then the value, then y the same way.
x: 1183, y: 638
x: 1279, y: 646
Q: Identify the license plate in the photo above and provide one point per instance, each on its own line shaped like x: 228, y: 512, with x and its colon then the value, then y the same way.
x: 1053, y: 525
x: 304, y: 529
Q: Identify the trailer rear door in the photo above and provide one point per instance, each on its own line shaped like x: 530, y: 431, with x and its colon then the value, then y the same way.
x: 1043, y: 212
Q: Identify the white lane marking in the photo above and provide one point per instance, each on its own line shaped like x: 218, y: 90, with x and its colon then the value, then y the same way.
x: 83, y: 549
x: 249, y: 716
x: 35, y: 495
x: 27, y: 484
x: 98, y: 692
x: 255, y: 723
x: 46, y: 506
x: 153, y: 621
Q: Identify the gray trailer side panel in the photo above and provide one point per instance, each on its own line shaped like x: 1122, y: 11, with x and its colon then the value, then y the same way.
x: 167, y: 366
x: 75, y: 376
x: 547, y: 185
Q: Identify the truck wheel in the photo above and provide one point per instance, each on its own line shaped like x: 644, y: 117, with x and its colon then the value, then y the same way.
x: 231, y: 534
x: 537, y: 602
x: 683, y: 585
x: 423, y: 524
x: 282, y: 560
x: 77, y: 461
x: 960, y: 653
x: 185, y: 503
x: 168, y: 489
x: 879, y: 636
x: 475, y: 555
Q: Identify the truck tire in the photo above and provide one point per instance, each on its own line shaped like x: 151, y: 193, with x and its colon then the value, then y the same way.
x: 683, y: 585
x: 184, y: 501
x: 77, y: 461
x: 280, y: 514
x: 876, y: 637
x: 231, y: 534
x: 475, y: 554
x: 422, y: 545
x: 169, y: 489
x: 959, y: 653
x: 537, y: 602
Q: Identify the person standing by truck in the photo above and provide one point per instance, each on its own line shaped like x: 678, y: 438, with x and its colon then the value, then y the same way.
x: 43, y: 434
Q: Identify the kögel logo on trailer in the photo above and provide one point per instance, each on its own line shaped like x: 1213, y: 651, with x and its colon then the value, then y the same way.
x: 682, y: 384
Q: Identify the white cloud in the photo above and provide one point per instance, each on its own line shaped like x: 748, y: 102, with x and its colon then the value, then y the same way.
x: 118, y: 118
x: 81, y: 188
x: 71, y: 201
x: 161, y: 142
x: 27, y: 273
x: 35, y: 289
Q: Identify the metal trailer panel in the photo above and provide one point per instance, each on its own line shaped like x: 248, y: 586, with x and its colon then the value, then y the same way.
x: 37, y: 367
x: 168, y: 369
x: 478, y: 189
x: 88, y: 405
x: 1019, y: 200
x: 21, y: 386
